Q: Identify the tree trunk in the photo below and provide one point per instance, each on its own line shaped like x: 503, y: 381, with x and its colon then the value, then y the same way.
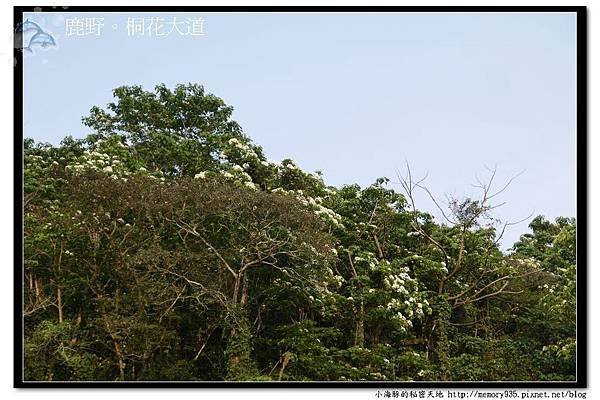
x: 236, y: 288
x: 120, y: 363
x: 380, y: 254
x: 240, y: 366
x: 286, y: 360
x: 59, y: 304
x: 244, y: 298
x: 359, y: 332
x: 437, y: 340
x: 37, y: 289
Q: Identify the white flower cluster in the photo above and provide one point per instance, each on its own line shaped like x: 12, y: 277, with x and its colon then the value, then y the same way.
x: 396, y: 307
x: 339, y: 280
x: 369, y: 227
x: 443, y: 268
x: 111, y: 165
x: 378, y: 375
x: 369, y: 259
x: 315, y: 205
x: 93, y: 160
x: 246, y: 151
x: 237, y: 144
x: 527, y: 262
x: 329, y: 215
x: 403, y: 311
x: 406, y: 302
x: 396, y: 283
x: 236, y: 174
x: 33, y: 159
x: 250, y: 185
x: 234, y: 171
x: 290, y: 165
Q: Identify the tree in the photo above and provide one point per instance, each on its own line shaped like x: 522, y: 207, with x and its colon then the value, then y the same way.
x: 177, y: 132
x: 166, y: 246
x: 553, y: 245
x: 473, y: 269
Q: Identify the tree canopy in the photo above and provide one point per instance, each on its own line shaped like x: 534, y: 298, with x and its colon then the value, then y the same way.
x: 166, y: 246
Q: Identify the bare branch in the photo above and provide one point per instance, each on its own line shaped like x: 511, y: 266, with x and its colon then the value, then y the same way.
x: 506, y: 185
x: 195, y: 233
x: 432, y: 197
x: 507, y: 224
x: 506, y: 278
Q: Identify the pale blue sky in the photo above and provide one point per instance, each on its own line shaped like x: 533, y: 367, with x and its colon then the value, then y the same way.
x: 354, y: 95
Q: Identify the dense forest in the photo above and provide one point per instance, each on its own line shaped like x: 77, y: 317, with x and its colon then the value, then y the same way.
x: 165, y: 246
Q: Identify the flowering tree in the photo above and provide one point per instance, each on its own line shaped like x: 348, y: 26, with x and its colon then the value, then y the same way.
x: 165, y: 245
x: 472, y: 270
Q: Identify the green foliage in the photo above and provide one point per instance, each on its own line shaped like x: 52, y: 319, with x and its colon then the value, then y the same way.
x: 553, y: 245
x: 165, y: 246
x: 54, y: 351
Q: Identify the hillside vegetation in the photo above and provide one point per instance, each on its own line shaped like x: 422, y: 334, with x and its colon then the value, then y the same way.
x: 166, y: 246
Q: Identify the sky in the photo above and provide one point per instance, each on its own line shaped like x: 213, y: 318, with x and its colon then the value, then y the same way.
x: 355, y: 95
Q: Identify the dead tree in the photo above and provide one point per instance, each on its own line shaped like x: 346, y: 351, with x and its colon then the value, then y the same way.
x: 492, y: 279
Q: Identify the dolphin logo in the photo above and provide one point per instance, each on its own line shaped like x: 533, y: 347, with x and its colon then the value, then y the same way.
x: 38, y: 36
x: 27, y: 26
